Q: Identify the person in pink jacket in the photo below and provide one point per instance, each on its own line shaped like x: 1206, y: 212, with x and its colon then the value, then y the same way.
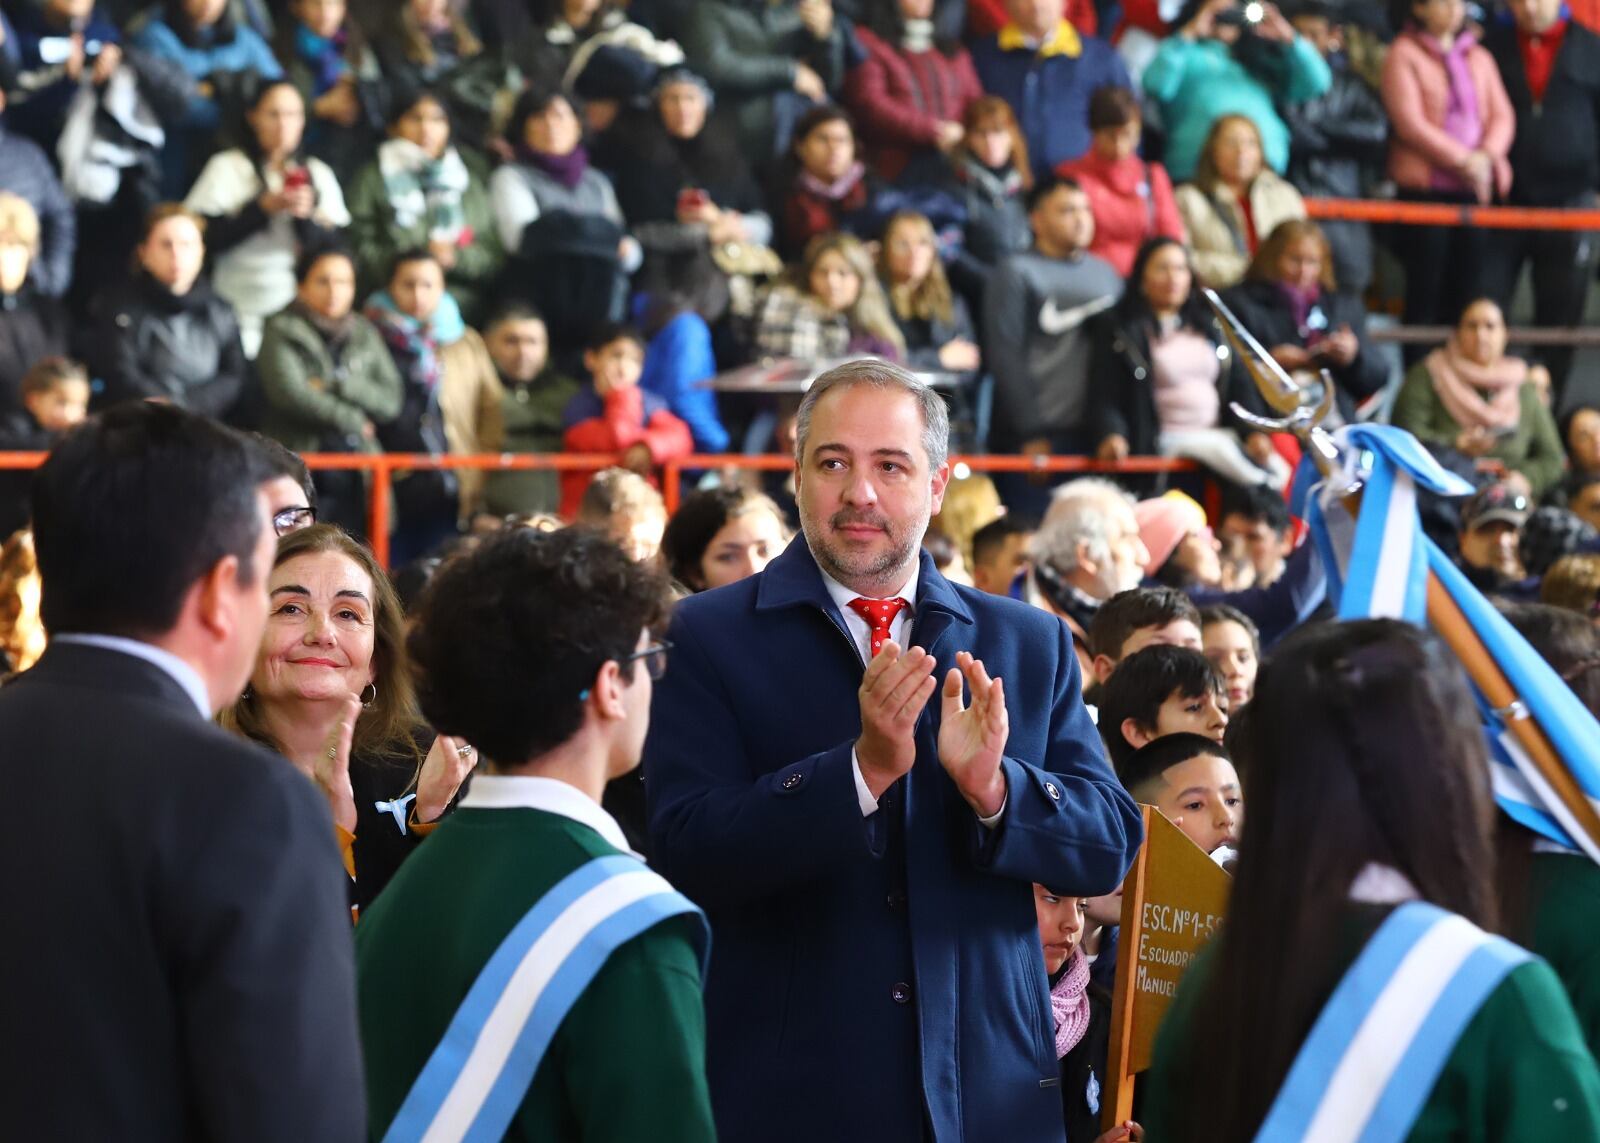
x: 910, y: 93
x: 1131, y: 198
x: 1452, y: 130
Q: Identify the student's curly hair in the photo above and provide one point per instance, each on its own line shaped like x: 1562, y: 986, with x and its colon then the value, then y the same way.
x: 508, y: 636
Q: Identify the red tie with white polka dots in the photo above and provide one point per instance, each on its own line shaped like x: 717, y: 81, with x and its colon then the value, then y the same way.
x: 879, y: 614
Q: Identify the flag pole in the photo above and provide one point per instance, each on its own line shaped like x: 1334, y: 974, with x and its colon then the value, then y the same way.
x: 1284, y: 395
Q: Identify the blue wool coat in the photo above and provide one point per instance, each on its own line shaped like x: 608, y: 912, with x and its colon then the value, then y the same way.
x: 873, y: 978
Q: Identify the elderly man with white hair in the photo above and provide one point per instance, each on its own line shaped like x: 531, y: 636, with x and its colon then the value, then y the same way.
x: 1088, y: 549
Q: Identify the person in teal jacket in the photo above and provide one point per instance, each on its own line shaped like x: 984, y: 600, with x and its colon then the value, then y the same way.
x: 1219, y: 62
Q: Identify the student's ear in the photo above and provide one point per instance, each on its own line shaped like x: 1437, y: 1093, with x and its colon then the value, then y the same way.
x: 1135, y: 735
x: 591, y: 361
x: 1104, y: 665
x: 608, y: 691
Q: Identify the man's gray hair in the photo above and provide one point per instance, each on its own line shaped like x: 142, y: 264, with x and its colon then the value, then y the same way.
x: 879, y: 375
x: 1077, y: 516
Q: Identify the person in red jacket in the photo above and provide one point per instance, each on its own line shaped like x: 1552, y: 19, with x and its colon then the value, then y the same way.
x: 1132, y: 199
x: 910, y: 93
x: 613, y: 415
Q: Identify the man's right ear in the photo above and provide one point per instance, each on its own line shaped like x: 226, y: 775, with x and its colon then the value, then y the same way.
x: 1104, y: 665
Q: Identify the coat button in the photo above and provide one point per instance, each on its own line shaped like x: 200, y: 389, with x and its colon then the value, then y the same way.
x: 1053, y: 790
x: 793, y: 780
x: 901, y: 993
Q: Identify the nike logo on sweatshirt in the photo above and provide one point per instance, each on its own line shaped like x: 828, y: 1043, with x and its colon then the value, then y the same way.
x: 1055, y: 321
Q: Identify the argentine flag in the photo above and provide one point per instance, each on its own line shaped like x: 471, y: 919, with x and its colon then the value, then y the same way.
x: 1378, y: 568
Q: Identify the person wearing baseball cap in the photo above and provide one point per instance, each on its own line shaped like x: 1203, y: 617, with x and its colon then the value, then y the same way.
x: 1491, y: 524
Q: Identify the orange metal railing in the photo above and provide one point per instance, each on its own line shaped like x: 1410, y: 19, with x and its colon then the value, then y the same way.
x: 382, y: 468
x: 1452, y: 214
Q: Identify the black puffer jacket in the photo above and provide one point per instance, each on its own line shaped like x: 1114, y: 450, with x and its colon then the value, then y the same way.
x: 31, y: 326
x: 147, y: 342
x: 1555, y: 157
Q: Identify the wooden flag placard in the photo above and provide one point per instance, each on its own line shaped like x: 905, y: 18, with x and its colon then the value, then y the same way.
x: 1173, y: 899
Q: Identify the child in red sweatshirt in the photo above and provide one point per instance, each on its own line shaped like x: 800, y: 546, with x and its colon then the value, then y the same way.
x: 614, y: 416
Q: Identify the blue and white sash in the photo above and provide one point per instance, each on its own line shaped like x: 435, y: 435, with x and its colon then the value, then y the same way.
x: 1378, y: 566
x: 475, y: 1080
x: 1375, y: 1052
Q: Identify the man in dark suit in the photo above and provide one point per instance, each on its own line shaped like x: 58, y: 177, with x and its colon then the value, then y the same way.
x: 178, y: 957
x: 864, y: 849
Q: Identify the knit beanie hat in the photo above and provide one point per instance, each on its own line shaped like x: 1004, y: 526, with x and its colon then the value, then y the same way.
x: 1164, y: 522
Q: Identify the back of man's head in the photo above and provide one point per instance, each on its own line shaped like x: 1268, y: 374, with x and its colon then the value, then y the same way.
x: 1142, y: 683
x: 133, y: 508
x: 508, y: 638
x: 1142, y: 773
x: 1128, y: 612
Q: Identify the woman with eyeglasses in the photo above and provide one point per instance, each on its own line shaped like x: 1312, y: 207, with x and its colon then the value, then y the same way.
x: 332, y: 693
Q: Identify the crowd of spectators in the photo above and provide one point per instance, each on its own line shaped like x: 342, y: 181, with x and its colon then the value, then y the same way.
x: 320, y: 219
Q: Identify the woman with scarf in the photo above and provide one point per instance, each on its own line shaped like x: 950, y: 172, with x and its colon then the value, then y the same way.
x: 327, y: 57
x: 452, y: 400
x: 991, y: 177
x: 1451, y: 126
x: 263, y: 203
x: 1080, y: 1015
x: 910, y: 93
x: 559, y: 221
x: 221, y: 56
x: 829, y: 188
x: 1471, y: 396
x: 422, y: 191
x: 1291, y: 303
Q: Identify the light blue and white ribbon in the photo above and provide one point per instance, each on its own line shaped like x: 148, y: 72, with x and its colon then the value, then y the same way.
x: 1378, y: 1046
x: 1378, y: 567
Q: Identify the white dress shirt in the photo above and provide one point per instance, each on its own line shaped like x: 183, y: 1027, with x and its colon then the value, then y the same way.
x: 182, y: 673
x: 861, y: 631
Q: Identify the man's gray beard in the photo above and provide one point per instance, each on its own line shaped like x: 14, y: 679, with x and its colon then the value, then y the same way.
x: 898, y: 557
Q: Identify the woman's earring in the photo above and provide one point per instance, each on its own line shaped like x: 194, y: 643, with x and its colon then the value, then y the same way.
x: 366, y: 699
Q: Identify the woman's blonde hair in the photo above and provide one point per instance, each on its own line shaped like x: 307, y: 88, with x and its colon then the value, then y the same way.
x: 870, y: 314
x: 929, y: 299
x: 970, y: 502
x: 1205, y: 168
x: 19, y: 224
x: 1573, y: 582
x: 22, y: 634
x: 419, y: 48
x: 1264, y: 266
x: 389, y: 723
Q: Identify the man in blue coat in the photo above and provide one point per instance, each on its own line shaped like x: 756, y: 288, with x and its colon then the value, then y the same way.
x: 865, y: 849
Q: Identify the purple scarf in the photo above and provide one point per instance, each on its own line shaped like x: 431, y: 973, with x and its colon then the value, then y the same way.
x: 1069, y: 1003
x: 1462, y: 122
x: 568, y: 169
x: 1300, y: 302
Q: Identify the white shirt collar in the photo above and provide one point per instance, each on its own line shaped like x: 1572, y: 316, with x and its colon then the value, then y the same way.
x: 528, y: 792
x: 842, y: 595
x: 181, y: 673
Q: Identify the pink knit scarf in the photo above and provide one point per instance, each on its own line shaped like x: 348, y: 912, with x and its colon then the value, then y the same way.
x: 1069, y: 1003
x: 1477, y: 396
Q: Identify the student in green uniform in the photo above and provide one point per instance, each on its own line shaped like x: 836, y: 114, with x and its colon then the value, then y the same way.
x: 1370, y: 806
x: 1550, y: 897
x: 536, y: 648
